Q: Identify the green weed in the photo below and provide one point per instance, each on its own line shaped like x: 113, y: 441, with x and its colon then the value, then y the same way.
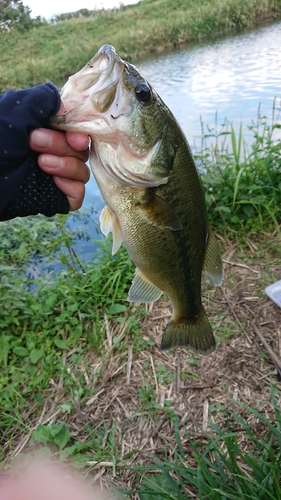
x: 221, y: 467
x: 48, y: 323
x: 242, y: 183
x: 53, y: 327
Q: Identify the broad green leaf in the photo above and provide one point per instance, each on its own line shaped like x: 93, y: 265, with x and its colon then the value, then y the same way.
x: 35, y: 355
x: 117, y: 309
x: 21, y: 351
x: 62, y: 437
x: 61, y: 344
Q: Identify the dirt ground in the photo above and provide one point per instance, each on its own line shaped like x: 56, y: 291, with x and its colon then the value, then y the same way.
x: 198, y: 388
x: 137, y: 386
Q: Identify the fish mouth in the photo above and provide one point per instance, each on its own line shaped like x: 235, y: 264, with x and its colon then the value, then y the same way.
x: 101, y: 73
x: 97, y: 82
x: 102, y: 106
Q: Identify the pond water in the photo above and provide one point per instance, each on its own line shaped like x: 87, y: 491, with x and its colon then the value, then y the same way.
x: 229, y: 75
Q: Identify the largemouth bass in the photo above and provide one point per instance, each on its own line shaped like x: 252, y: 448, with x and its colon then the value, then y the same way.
x: 147, y: 176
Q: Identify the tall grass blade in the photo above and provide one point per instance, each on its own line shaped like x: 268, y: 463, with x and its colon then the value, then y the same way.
x: 236, y: 185
x: 236, y: 144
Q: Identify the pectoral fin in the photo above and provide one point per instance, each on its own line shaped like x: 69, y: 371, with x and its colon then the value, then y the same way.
x: 108, y: 223
x: 160, y: 213
x: 142, y: 290
x: 213, y: 268
x: 106, y: 220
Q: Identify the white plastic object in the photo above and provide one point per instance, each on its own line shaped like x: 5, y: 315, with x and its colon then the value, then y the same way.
x: 274, y: 292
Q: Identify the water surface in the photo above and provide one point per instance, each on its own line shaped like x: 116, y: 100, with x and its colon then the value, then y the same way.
x: 230, y: 76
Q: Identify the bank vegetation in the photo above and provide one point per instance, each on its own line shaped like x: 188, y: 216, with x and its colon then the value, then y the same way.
x: 82, y: 376
x: 54, y: 51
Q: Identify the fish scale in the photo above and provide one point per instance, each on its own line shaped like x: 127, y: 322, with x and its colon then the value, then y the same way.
x: 154, y: 199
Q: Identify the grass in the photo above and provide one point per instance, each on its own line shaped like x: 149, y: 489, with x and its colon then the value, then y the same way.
x: 52, y: 327
x: 53, y: 52
x: 217, y: 466
x: 56, y: 311
x: 82, y: 376
x: 242, y: 182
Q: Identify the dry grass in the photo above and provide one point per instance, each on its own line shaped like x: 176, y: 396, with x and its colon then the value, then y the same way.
x: 138, y: 393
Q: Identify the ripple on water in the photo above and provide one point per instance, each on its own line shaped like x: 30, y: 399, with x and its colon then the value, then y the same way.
x: 230, y: 75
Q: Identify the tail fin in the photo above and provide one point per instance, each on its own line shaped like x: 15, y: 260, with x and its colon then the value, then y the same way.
x: 196, y: 334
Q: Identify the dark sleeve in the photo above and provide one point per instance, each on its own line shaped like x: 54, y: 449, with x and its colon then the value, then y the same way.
x: 24, y: 188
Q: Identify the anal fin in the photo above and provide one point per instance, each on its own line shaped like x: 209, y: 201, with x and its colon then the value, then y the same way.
x: 213, y: 267
x: 142, y: 290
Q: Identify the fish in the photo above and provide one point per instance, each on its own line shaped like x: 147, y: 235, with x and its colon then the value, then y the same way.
x: 148, y: 178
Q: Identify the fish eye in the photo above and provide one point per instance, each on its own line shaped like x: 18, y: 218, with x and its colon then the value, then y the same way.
x: 142, y: 92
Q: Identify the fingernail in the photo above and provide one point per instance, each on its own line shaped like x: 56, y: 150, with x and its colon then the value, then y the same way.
x: 41, y: 139
x: 52, y: 161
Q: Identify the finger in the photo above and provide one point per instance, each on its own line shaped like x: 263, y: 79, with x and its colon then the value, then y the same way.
x: 74, y: 190
x: 44, y: 482
x: 56, y: 142
x: 68, y: 167
x: 79, y: 142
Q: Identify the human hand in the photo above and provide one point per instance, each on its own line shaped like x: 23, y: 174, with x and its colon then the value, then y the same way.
x: 63, y: 155
x: 44, y: 482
